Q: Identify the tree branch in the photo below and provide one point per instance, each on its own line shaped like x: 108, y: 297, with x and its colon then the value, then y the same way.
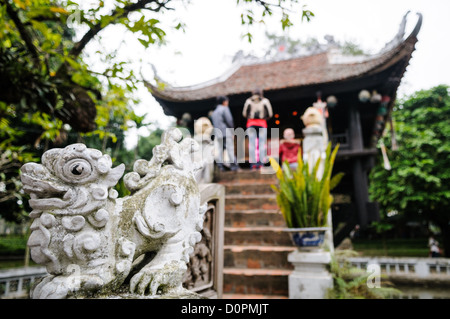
x: 117, y: 14
x: 23, y: 32
x: 114, y: 77
x: 7, y: 197
x: 267, y: 5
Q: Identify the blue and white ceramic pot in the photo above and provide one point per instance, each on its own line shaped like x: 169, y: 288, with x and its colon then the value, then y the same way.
x: 310, y: 238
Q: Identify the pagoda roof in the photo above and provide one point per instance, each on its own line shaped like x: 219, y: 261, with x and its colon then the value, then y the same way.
x: 325, y: 67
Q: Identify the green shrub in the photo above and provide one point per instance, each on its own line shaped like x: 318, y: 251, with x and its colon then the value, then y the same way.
x: 351, y: 282
x: 13, y: 245
x: 303, y: 198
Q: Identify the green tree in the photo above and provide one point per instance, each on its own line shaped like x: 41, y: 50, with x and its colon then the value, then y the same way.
x: 50, y: 96
x: 48, y: 92
x: 42, y: 69
x: 418, y: 184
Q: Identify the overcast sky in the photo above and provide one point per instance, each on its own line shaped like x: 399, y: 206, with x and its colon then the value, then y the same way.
x: 214, y: 34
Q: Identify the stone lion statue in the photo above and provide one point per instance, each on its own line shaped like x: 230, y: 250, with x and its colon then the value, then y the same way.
x: 93, y: 242
x: 203, y: 130
x: 312, y: 117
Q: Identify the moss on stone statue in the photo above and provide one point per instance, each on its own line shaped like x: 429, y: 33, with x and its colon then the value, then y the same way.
x: 124, y: 293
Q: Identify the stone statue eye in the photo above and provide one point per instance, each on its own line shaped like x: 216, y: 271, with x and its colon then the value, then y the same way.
x: 77, y: 170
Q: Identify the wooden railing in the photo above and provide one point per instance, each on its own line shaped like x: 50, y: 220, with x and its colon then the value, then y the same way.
x: 342, y: 139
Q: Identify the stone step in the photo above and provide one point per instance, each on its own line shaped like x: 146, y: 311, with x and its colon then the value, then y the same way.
x: 266, y: 175
x: 256, y: 281
x: 248, y: 188
x: 254, y: 217
x: 262, y: 236
x: 256, y: 247
x: 257, y: 257
x: 246, y: 202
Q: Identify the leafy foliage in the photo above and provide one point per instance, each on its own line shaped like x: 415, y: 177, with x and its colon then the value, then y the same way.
x: 303, y: 197
x: 351, y: 283
x: 13, y: 245
x: 51, y: 97
x: 285, y: 8
x: 418, y: 185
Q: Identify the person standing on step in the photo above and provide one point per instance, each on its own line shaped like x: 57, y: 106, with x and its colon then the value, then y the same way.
x: 222, y: 120
x: 289, y: 148
x: 257, y: 110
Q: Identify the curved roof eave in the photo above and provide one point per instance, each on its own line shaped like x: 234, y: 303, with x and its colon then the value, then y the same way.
x: 232, y: 82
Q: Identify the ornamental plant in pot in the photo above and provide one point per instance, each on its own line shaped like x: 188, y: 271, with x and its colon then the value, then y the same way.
x: 304, y: 198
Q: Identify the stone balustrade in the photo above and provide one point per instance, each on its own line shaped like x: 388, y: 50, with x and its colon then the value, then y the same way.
x: 15, y: 283
x: 405, y: 266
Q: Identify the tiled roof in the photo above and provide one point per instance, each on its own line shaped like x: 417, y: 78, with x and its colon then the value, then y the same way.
x: 315, y: 69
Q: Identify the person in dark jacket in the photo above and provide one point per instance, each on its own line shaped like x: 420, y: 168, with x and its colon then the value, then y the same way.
x: 257, y: 110
x: 222, y: 120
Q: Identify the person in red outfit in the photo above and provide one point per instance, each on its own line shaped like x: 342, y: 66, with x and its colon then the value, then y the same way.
x: 257, y: 110
x: 289, y: 148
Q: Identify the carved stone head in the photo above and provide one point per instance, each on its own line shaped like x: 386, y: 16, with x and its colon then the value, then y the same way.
x: 312, y: 117
x: 67, y: 193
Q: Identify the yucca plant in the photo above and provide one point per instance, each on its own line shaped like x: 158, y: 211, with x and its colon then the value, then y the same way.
x: 304, y: 198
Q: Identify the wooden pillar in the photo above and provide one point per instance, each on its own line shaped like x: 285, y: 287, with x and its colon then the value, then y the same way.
x: 361, y: 191
x: 360, y: 182
x: 356, y: 136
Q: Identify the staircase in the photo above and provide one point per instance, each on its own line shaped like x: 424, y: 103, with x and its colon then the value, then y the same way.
x: 256, y: 248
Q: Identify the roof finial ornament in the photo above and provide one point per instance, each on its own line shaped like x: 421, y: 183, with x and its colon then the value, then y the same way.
x: 399, y: 36
x: 331, y: 42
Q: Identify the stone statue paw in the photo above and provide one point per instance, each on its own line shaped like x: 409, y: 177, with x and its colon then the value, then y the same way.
x: 163, y: 280
x: 49, y: 289
x: 61, y: 287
